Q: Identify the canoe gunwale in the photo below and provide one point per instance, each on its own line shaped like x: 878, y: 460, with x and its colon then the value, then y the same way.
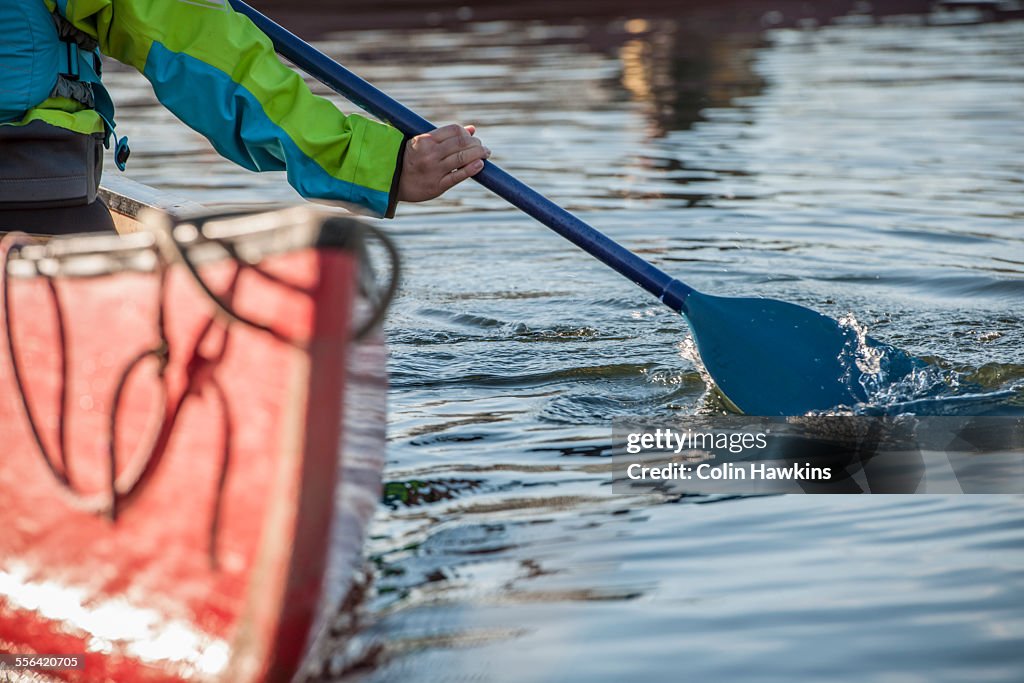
x: 248, y: 238
x: 130, y: 199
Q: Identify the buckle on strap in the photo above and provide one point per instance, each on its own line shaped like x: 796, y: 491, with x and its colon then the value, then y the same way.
x: 77, y: 64
x: 69, y: 67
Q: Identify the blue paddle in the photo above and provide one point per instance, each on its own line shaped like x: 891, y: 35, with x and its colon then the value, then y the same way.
x: 767, y: 357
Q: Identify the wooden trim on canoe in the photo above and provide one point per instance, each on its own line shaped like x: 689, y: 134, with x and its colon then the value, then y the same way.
x: 127, y: 199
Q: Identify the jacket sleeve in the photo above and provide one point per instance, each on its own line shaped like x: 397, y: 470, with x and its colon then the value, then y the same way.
x: 220, y: 75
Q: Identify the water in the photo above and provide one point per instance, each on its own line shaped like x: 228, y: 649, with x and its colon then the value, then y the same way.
x: 871, y: 169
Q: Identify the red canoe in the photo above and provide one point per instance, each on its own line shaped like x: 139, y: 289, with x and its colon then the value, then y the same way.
x: 191, y: 442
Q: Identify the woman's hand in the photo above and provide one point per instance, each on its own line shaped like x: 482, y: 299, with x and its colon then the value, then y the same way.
x: 436, y: 161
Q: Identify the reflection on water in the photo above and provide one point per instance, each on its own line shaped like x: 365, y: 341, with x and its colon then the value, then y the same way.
x: 865, y: 168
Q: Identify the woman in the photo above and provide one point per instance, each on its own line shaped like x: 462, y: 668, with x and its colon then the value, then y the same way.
x: 219, y: 74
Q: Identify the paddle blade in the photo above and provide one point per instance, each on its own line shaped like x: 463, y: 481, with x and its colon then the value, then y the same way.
x: 775, y: 358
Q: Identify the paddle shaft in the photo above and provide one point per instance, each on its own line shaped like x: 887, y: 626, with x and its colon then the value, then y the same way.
x: 667, y: 289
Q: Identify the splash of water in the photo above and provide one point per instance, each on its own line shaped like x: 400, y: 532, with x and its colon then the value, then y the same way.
x: 868, y: 358
x: 688, y: 350
x: 713, y: 402
x: 890, y: 381
x: 895, y: 383
x: 872, y: 368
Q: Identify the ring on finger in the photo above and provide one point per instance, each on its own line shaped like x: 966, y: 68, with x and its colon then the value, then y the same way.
x: 462, y: 159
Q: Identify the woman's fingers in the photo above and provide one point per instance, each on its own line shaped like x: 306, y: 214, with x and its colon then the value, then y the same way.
x: 465, y: 156
x: 457, y: 175
x: 452, y: 145
x: 452, y: 130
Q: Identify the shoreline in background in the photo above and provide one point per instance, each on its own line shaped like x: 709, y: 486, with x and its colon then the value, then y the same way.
x: 307, y: 15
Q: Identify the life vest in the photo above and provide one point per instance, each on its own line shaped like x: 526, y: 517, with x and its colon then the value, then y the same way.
x: 43, y: 55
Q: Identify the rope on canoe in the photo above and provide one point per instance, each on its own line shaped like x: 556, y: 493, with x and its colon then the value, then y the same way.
x: 142, y: 463
x: 387, y: 294
x: 163, y: 416
x: 174, y: 251
x: 8, y: 244
x: 104, y: 503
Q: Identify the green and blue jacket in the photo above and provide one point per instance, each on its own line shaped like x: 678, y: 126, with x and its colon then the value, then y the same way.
x: 216, y: 72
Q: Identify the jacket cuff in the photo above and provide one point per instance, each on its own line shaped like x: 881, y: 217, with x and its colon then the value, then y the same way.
x: 395, y: 180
